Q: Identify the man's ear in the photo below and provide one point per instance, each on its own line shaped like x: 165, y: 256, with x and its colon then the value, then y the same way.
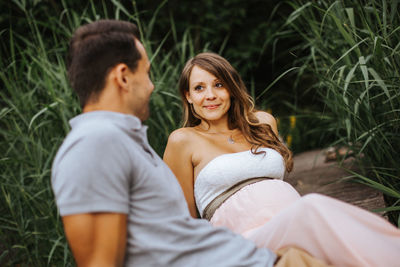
x: 187, y: 94
x: 120, y: 73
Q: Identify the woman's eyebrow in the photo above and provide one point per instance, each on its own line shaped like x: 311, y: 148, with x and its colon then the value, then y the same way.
x: 196, y: 82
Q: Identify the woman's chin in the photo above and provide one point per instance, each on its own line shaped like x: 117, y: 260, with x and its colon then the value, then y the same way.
x: 212, y: 118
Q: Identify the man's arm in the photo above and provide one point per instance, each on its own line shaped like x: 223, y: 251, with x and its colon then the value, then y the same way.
x: 97, y: 239
x: 91, y: 182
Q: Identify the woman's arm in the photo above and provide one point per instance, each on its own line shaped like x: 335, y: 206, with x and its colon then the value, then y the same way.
x: 178, y: 157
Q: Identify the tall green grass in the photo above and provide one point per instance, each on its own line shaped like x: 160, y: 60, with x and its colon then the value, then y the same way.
x: 37, y: 104
x: 352, y: 48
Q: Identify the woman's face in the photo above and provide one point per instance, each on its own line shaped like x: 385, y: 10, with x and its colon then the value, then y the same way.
x: 209, y: 96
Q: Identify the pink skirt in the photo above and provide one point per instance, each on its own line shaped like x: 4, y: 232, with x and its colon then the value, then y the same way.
x: 272, y: 214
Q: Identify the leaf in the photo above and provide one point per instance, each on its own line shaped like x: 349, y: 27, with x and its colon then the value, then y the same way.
x: 359, y: 101
x: 364, y: 70
x: 380, y: 81
x: 349, y: 76
x: 384, y: 189
x: 351, y: 49
x: 43, y: 110
x: 350, y: 14
x: 275, y: 81
x: 294, y: 15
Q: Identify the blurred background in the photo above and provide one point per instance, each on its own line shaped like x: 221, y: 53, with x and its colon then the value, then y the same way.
x: 329, y: 71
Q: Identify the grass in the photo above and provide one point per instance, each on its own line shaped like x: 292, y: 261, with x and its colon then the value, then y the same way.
x: 352, y: 48
x: 37, y: 105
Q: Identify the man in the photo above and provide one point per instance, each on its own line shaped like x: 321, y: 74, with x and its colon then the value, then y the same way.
x: 119, y: 203
x: 118, y: 200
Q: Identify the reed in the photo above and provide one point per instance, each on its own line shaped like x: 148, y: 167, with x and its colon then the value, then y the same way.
x: 37, y: 103
x: 352, y: 49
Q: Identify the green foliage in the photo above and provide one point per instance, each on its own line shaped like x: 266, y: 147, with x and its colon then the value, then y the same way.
x: 37, y: 104
x: 236, y: 28
x: 352, y: 48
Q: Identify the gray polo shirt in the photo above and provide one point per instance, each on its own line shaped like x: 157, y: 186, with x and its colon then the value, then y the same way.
x: 105, y: 164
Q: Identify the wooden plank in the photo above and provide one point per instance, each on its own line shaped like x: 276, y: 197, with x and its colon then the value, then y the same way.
x: 311, y: 174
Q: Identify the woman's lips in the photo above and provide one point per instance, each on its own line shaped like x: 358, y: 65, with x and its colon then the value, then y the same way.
x: 212, y: 106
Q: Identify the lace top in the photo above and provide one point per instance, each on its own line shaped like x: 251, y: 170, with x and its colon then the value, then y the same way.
x: 227, y: 170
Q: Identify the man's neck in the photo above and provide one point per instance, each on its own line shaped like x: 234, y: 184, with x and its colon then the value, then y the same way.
x: 107, y: 104
x: 90, y: 107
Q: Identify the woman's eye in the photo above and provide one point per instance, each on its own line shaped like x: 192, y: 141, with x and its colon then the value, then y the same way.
x: 219, y: 85
x: 198, y: 87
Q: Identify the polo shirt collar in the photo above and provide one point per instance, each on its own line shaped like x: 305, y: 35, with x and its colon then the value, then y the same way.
x: 125, y: 120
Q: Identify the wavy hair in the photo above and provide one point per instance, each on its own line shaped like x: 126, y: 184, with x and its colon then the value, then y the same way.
x: 241, y: 114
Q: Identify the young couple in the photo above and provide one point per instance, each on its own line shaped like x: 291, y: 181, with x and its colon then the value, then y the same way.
x: 121, y: 204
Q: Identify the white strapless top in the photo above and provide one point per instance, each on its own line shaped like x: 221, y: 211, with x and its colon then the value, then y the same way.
x: 227, y: 170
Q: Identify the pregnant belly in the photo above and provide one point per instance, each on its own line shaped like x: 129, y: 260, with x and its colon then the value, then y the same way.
x: 254, y: 205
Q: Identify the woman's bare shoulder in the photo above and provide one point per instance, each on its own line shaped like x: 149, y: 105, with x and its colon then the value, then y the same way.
x: 265, y: 117
x: 182, y: 136
x: 181, y: 143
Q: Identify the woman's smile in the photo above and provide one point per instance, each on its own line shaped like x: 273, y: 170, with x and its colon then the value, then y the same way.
x: 212, y: 106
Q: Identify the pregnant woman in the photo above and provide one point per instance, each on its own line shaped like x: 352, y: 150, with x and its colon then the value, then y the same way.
x: 230, y: 164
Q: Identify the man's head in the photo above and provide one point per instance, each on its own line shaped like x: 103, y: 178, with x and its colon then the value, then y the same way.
x: 98, y: 48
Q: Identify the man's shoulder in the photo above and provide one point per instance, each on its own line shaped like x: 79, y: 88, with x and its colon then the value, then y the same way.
x: 95, y: 131
x: 91, y: 144
x: 90, y: 138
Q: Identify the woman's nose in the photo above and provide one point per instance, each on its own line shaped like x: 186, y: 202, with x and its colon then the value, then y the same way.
x: 210, y: 94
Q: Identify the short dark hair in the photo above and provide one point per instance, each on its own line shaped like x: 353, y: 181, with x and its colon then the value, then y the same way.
x: 94, y: 49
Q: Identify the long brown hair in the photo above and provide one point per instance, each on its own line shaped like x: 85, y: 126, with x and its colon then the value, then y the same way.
x: 241, y: 114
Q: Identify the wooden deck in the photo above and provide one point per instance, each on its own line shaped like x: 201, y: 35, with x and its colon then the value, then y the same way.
x: 311, y: 174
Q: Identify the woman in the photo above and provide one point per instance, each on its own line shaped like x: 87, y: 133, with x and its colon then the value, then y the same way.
x: 230, y: 164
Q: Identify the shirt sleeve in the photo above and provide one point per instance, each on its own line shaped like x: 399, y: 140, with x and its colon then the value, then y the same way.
x: 92, y: 175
